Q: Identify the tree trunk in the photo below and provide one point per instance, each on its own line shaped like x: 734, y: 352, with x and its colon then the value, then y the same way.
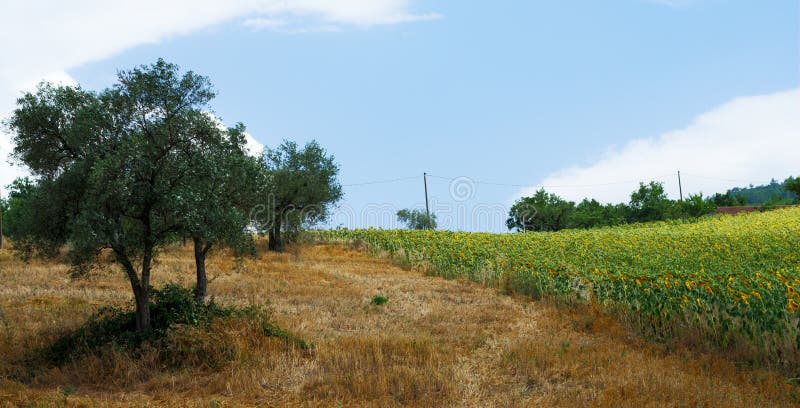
x: 141, y: 292
x: 200, y: 251
x: 275, y: 243
x: 143, y: 301
x: 142, y: 296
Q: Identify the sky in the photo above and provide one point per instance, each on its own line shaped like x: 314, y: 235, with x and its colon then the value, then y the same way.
x: 492, y: 99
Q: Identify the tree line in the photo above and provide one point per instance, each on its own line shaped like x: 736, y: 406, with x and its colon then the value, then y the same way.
x: 774, y: 193
x: 143, y: 164
x: 548, y: 212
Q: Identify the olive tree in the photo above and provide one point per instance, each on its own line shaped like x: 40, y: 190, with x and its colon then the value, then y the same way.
x: 118, y: 164
x: 300, y: 188
x: 416, y: 219
x: 217, y: 204
x: 31, y: 221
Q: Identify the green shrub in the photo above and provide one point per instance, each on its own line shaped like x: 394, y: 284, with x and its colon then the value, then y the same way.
x: 170, y: 306
x: 379, y: 300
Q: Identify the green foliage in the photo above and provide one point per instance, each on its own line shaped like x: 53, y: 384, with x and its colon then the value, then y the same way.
x: 591, y: 214
x: 131, y: 168
x: 378, y: 300
x: 548, y: 212
x: 15, y: 207
x: 223, y: 174
x: 774, y: 202
x: 728, y: 199
x: 757, y: 195
x: 170, y: 305
x: 300, y: 188
x: 221, y: 189
x: 696, y: 206
x: 542, y: 212
x: 30, y: 219
x: 792, y: 185
x: 650, y: 203
x: 416, y: 219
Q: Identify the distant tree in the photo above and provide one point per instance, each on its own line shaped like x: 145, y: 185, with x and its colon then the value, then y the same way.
x: 117, y: 164
x: 650, y: 203
x: 792, y: 185
x: 31, y: 221
x: 696, y: 206
x: 775, y: 201
x: 727, y: 199
x: 541, y: 212
x: 772, y: 192
x: 591, y: 214
x: 15, y: 207
x: 416, y: 219
x: 301, y: 187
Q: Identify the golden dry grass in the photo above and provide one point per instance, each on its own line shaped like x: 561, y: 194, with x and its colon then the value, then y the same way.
x: 434, y: 343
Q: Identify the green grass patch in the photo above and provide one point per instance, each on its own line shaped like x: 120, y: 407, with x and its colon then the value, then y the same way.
x: 379, y: 300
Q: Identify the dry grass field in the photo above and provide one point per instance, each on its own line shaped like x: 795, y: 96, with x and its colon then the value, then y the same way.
x: 434, y: 343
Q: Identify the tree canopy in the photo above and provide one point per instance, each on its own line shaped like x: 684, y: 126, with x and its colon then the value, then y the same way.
x: 792, y: 185
x: 222, y: 187
x: 120, y: 167
x: 416, y: 219
x: 300, y: 188
x: 649, y: 202
x: 774, y: 192
x: 541, y: 212
x: 30, y: 219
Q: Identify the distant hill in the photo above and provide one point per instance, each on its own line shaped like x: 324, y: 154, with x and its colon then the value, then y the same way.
x: 772, y: 193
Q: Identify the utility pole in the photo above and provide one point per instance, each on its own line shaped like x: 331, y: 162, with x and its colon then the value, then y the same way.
x: 1, y: 221
x: 680, y: 188
x: 427, y: 206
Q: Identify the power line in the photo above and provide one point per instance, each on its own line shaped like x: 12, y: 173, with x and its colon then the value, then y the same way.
x: 381, y: 181
x: 551, y: 186
x: 480, y: 182
x: 722, y: 179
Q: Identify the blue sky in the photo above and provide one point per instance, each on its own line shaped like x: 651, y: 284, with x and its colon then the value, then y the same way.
x: 525, y: 93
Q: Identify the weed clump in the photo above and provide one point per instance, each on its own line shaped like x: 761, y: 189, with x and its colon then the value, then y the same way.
x: 379, y: 300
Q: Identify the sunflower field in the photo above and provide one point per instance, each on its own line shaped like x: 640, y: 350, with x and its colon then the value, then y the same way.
x: 728, y: 283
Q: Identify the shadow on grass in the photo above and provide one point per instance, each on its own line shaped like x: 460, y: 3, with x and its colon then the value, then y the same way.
x: 172, y: 308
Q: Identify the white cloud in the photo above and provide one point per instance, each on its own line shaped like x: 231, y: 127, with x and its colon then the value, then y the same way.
x: 747, y: 140
x: 325, y: 15
x: 253, y: 146
x: 50, y: 36
x: 288, y: 25
x: 41, y: 37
